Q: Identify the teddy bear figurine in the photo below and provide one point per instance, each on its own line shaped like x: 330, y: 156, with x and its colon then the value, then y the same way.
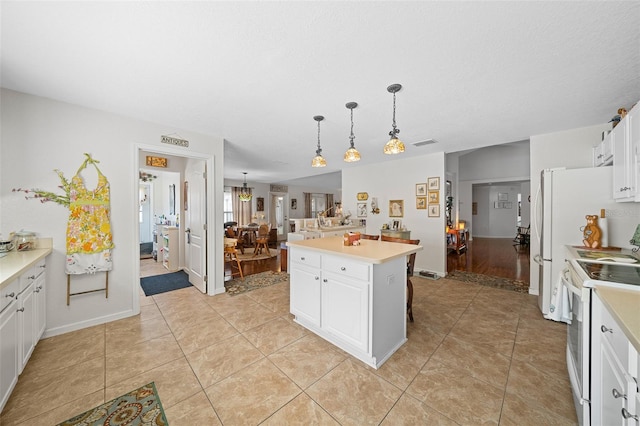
x: 592, y: 233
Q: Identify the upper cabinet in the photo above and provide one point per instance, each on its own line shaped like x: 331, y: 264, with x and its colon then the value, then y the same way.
x: 625, y: 143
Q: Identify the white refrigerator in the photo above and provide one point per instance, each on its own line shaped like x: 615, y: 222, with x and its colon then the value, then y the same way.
x: 563, y: 200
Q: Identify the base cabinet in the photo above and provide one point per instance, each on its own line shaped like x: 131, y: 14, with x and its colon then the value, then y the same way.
x: 8, y: 350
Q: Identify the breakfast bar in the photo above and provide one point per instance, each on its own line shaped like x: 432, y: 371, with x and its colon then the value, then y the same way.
x: 352, y: 296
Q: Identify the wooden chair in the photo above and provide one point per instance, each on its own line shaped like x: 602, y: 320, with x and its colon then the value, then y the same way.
x: 262, y: 240
x: 231, y: 257
x: 369, y: 237
x: 231, y: 233
x: 411, y: 260
x: 522, y: 236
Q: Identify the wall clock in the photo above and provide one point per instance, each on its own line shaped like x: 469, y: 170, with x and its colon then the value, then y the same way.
x: 363, y: 196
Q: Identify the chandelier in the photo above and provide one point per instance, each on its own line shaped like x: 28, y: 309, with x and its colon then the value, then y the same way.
x: 352, y: 153
x: 318, y: 160
x: 245, y: 193
x: 395, y: 145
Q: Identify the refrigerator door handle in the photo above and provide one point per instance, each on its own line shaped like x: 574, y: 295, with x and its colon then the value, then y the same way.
x: 536, y: 207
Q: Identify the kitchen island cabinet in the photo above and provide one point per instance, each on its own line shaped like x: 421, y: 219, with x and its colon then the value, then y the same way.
x: 352, y: 296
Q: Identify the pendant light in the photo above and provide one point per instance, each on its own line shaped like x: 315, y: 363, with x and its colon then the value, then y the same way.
x: 245, y: 194
x: 352, y: 153
x: 318, y: 160
x: 395, y: 145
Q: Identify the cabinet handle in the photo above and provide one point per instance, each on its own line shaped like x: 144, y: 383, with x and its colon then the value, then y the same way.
x: 20, y: 310
x: 628, y: 415
x: 302, y: 258
x: 343, y: 269
x: 605, y: 329
x: 43, y: 266
x: 12, y: 294
x: 32, y: 277
x: 616, y: 394
x: 324, y: 280
x: 317, y: 278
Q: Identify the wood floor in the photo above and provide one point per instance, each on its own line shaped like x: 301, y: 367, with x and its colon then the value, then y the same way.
x: 489, y: 256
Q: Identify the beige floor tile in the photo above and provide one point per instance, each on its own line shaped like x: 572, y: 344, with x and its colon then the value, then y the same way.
x: 217, y: 362
x: 456, y: 395
x: 403, y: 366
x: 247, y: 319
x: 410, y: 411
x: 259, y: 391
x: 301, y: 411
x: 487, y: 333
x: 308, y: 359
x: 228, y: 305
x: 134, y: 332
x: 518, y: 411
x: 204, y: 334
x: 354, y: 395
x: 437, y: 317
x: 195, y: 410
x: 141, y: 357
x: 65, y: 411
x: 273, y: 335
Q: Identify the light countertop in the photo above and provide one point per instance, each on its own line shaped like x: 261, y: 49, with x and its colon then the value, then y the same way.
x: 16, y: 263
x: 624, y: 306
x: 370, y: 251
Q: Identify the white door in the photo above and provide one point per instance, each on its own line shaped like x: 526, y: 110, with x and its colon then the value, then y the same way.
x: 196, y: 220
x: 146, y: 223
x: 278, y: 215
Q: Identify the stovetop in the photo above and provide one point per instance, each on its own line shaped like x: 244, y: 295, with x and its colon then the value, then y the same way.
x: 616, y: 273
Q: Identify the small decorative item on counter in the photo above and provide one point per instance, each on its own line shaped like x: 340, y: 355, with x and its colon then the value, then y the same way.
x: 350, y: 238
x: 25, y: 240
x: 6, y: 244
x: 592, y: 233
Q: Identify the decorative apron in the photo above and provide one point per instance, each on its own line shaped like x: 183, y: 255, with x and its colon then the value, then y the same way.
x: 89, y: 240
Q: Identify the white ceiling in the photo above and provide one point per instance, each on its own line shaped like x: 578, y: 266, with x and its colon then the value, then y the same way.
x: 473, y: 73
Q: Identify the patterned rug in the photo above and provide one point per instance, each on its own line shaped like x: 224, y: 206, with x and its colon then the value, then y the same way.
x: 490, y: 281
x: 139, y: 407
x: 255, y: 281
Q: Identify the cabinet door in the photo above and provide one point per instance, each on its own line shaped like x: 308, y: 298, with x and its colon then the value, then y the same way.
x: 613, y: 390
x: 305, y: 294
x: 623, y: 163
x: 40, y: 306
x: 345, y: 309
x: 8, y: 352
x: 26, y: 326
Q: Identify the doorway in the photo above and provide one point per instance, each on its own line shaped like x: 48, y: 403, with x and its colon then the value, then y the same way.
x: 279, y: 214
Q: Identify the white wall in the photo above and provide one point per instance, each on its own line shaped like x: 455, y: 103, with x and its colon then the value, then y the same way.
x: 40, y: 135
x: 396, y: 180
x: 571, y: 149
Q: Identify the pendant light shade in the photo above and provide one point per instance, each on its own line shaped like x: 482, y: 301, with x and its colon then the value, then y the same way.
x: 245, y: 194
x: 352, y: 153
x: 395, y: 145
x: 318, y: 160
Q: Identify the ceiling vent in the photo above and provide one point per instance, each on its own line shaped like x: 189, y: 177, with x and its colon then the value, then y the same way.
x: 427, y: 142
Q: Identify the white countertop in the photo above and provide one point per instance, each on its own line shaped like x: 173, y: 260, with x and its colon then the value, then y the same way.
x: 624, y: 306
x: 17, y: 262
x: 370, y: 251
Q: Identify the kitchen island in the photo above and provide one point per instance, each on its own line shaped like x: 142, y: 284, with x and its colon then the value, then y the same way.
x: 352, y: 296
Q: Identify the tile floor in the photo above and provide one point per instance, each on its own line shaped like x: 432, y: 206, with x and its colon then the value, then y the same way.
x: 475, y: 355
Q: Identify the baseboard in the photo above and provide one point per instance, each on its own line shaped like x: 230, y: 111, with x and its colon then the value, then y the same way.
x: 89, y: 323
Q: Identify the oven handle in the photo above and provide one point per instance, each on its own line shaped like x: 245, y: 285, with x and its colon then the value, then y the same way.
x: 566, y: 281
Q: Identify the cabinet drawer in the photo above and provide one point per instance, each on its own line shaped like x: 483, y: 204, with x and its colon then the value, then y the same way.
x: 305, y: 257
x: 8, y: 294
x: 611, y: 332
x: 349, y: 268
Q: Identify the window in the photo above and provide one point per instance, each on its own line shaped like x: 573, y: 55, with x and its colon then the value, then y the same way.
x: 228, y: 205
x: 318, y: 204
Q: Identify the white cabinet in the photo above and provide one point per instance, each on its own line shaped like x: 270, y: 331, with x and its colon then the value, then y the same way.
x: 31, y: 311
x: 170, y: 251
x: 603, y: 152
x: 356, y: 305
x: 625, y: 143
x: 614, y: 391
x: 8, y: 341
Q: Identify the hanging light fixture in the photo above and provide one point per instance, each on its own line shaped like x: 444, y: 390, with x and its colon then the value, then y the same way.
x: 245, y: 195
x: 352, y: 153
x: 318, y: 160
x: 395, y: 145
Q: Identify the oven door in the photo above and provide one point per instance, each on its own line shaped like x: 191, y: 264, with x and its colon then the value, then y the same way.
x: 578, y: 343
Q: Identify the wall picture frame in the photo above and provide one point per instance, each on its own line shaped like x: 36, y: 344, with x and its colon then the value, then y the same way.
x: 434, y: 210
x: 362, y: 209
x: 294, y: 204
x: 433, y: 183
x: 503, y: 196
x: 260, y: 204
x: 421, y: 189
x: 421, y: 203
x: 396, y: 208
x: 434, y: 197
x: 156, y: 161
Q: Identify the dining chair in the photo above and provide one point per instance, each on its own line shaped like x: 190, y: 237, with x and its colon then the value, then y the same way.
x: 411, y: 260
x: 369, y: 237
x: 262, y: 240
x: 231, y: 257
x: 230, y: 232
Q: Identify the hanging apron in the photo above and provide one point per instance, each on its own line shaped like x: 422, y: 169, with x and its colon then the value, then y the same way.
x: 89, y: 240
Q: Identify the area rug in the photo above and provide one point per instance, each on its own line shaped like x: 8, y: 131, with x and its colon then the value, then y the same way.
x: 255, y: 281
x: 141, y: 406
x: 162, y: 283
x: 248, y: 255
x: 490, y: 281
x: 146, y: 250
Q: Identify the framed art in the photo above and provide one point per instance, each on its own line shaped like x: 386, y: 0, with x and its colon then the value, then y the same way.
x: 362, y: 196
x: 434, y: 210
x: 362, y: 209
x: 184, y: 196
x: 421, y: 189
x: 396, y: 208
x: 260, y: 204
x: 434, y: 197
x: 503, y: 196
x: 421, y: 203
x: 396, y: 225
x: 433, y: 183
x: 294, y: 204
x: 156, y: 161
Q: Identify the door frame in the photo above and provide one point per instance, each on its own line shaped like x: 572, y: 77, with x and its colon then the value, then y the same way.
x: 214, y: 250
